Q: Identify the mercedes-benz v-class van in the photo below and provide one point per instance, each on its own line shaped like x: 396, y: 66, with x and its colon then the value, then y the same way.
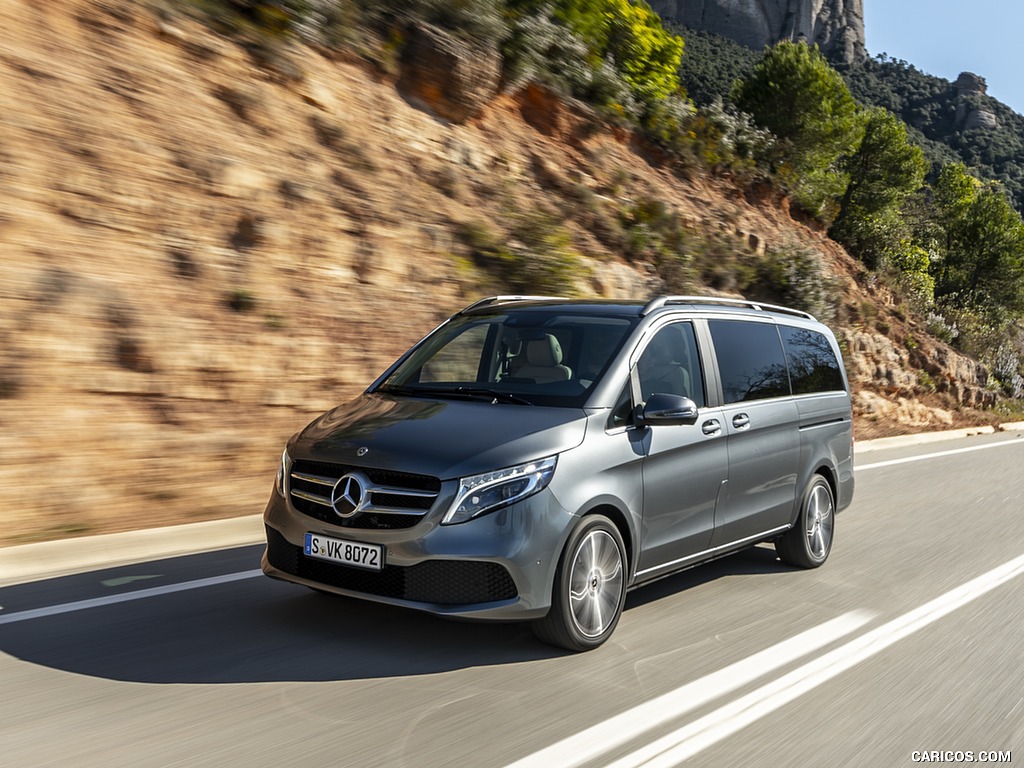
x: 532, y: 459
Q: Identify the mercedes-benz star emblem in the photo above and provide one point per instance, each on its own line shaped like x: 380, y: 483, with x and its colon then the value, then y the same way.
x: 362, y: 451
x: 349, y: 494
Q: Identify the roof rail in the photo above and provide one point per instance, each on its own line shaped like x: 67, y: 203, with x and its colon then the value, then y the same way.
x: 501, y: 299
x: 662, y: 301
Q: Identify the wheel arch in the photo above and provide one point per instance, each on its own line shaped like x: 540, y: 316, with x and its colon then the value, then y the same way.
x: 829, y: 473
x: 622, y: 522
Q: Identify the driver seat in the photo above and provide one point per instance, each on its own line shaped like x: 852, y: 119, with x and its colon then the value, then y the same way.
x: 544, y: 361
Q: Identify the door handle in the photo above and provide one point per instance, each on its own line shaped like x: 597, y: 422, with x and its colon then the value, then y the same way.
x: 741, y: 421
x: 711, y: 427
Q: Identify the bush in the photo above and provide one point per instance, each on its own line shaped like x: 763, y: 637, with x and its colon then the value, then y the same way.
x: 540, y: 49
x: 938, y: 327
x: 1008, y: 369
x: 795, y: 275
x: 480, y: 21
x: 907, y: 268
x: 254, y: 20
x: 537, y: 256
x: 241, y: 300
x: 656, y: 235
x: 727, y: 140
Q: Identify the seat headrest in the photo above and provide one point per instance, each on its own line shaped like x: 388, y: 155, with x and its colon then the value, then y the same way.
x: 545, y: 352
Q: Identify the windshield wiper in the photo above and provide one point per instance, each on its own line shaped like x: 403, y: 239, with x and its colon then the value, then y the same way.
x: 497, y: 395
x: 463, y: 392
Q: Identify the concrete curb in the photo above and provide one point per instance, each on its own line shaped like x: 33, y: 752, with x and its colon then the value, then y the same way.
x: 50, y: 559
x: 923, y: 438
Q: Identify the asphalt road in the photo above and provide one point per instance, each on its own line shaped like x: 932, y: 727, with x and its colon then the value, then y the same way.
x: 910, y: 639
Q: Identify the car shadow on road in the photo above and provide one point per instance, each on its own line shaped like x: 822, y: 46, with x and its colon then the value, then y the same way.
x: 259, y: 630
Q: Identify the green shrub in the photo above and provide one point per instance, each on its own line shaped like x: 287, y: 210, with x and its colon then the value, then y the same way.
x: 796, y: 276
x: 536, y: 257
x: 241, y: 300
x: 477, y: 235
x: 925, y: 381
x: 907, y: 269
x: 254, y: 19
x: 539, y: 256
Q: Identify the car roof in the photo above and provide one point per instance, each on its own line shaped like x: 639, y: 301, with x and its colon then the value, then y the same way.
x: 633, y: 308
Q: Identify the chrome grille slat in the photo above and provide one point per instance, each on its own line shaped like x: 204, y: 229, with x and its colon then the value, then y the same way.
x: 400, y: 491
x: 392, y: 499
x: 374, y: 510
x: 318, y: 479
x: 312, y: 497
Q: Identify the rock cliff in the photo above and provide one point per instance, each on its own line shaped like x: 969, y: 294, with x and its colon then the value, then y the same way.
x: 836, y: 26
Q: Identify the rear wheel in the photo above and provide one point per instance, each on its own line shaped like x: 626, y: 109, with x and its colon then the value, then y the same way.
x: 589, y: 589
x: 808, y: 543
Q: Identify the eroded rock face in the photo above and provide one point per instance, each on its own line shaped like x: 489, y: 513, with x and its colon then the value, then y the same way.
x: 836, y: 26
x: 450, y: 76
x: 968, y: 83
x: 875, y: 362
x: 970, y: 116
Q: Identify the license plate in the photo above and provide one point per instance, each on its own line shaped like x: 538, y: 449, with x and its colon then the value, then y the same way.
x: 368, y: 556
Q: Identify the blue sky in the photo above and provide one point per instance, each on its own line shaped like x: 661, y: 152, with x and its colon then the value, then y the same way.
x: 945, y: 38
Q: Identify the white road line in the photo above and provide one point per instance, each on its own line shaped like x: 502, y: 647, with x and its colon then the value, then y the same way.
x: 620, y: 729
x: 124, y: 597
x: 671, y: 750
x: 924, y: 456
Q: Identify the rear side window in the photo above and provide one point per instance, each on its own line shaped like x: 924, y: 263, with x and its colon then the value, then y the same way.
x: 813, y: 366
x: 751, y: 362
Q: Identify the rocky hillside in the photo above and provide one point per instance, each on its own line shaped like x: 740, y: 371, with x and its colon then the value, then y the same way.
x: 201, y: 251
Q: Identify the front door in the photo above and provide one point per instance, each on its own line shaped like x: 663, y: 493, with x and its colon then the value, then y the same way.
x: 685, y: 465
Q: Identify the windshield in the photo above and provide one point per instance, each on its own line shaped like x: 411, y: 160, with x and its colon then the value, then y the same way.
x: 528, y: 357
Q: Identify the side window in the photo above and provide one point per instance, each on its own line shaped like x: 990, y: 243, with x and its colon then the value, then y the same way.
x: 670, y: 364
x: 813, y: 366
x: 750, y: 360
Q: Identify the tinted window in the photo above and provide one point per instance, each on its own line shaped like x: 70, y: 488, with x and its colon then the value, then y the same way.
x: 670, y: 364
x: 750, y: 360
x: 813, y: 366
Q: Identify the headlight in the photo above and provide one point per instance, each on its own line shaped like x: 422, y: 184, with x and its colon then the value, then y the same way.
x: 282, y: 473
x: 492, y: 490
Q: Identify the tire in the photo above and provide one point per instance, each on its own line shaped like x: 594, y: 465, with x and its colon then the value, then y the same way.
x: 590, y: 587
x: 808, y: 543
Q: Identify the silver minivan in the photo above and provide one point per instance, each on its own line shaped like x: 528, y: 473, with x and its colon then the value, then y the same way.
x: 534, y: 458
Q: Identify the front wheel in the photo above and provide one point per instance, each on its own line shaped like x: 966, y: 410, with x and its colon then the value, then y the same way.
x: 807, y: 544
x: 590, y: 587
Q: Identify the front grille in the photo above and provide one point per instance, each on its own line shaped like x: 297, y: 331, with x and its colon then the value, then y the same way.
x: 443, y: 582
x: 397, y: 499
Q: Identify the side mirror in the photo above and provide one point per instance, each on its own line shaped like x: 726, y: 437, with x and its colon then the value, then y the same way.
x: 662, y: 408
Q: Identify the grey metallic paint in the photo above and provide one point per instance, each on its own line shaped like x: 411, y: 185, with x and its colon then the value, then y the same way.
x: 679, y: 495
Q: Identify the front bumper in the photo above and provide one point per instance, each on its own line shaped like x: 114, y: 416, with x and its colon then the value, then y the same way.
x: 499, y: 566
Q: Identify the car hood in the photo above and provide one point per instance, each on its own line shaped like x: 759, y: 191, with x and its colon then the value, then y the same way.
x: 442, y: 438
